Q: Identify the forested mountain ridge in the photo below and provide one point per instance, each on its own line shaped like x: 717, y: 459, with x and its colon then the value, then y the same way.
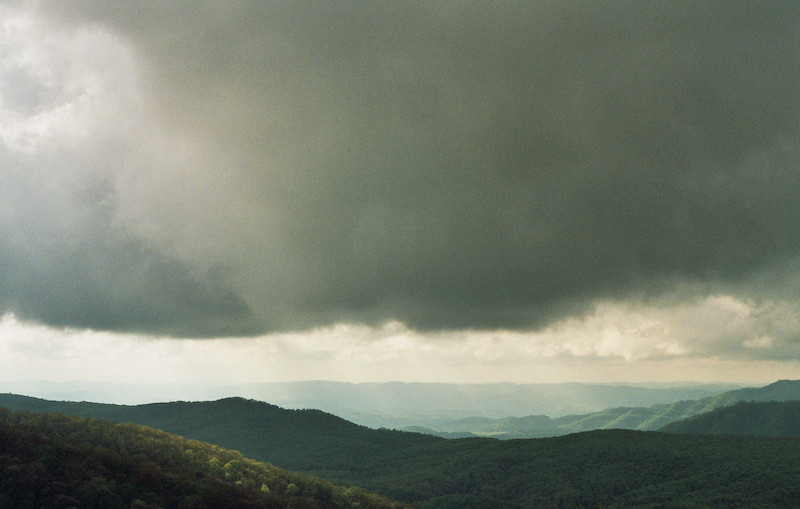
x: 658, y: 416
x: 58, y: 461
x: 293, y: 439
x: 610, y: 468
x: 397, y: 405
x: 774, y: 418
x: 390, y: 404
x: 650, y: 418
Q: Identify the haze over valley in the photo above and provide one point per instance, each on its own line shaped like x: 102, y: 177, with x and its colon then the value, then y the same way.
x: 673, y: 466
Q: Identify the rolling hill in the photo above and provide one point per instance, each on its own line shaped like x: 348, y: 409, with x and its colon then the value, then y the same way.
x: 59, y: 461
x: 775, y: 418
x: 293, y: 439
x: 612, y: 468
x: 390, y: 404
x: 397, y: 405
x: 636, y: 418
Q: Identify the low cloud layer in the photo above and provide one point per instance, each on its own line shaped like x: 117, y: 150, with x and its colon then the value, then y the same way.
x: 716, y: 339
x: 221, y: 169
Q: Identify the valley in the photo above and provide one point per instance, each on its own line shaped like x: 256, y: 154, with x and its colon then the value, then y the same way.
x: 610, y: 467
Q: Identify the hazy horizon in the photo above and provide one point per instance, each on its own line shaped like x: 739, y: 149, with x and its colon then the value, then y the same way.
x: 390, y: 404
x: 236, y: 192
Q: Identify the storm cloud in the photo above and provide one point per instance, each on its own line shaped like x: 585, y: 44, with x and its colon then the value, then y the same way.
x: 215, y: 168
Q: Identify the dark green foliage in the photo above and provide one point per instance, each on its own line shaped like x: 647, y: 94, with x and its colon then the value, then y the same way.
x: 609, y: 468
x: 603, y: 468
x: 57, y: 461
x: 745, y: 418
x: 307, y: 440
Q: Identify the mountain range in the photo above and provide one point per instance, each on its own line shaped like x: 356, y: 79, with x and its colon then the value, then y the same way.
x: 616, y: 468
x: 649, y: 418
x: 391, y: 404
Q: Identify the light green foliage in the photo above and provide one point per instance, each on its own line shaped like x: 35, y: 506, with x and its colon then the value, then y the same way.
x: 613, y: 468
x: 160, y: 469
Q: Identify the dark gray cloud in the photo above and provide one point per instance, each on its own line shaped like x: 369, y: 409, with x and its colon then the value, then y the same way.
x: 449, y: 166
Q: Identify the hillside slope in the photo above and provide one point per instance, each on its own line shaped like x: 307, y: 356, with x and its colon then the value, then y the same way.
x: 53, y: 460
x: 293, y: 439
x: 776, y: 418
x: 613, y: 468
x: 636, y: 418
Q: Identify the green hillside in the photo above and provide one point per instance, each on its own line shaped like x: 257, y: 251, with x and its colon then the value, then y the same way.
x: 635, y: 418
x: 307, y: 440
x: 745, y: 418
x: 611, y: 468
x: 58, y: 461
x: 608, y: 468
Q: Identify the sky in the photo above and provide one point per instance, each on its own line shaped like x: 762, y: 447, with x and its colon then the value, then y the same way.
x: 226, y: 192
